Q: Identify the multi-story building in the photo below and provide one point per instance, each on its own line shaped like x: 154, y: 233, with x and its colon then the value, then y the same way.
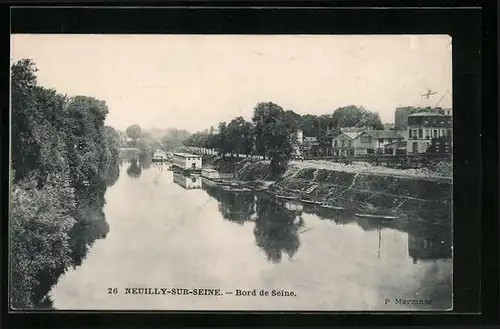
x: 402, y: 113
x: 423, y: 127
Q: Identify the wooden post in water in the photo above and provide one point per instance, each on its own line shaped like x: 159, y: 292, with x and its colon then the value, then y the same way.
x: 379, y: 240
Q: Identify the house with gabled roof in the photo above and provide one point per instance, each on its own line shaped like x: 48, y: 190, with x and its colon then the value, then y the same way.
x: 371, y: 141
x: 343, y: 144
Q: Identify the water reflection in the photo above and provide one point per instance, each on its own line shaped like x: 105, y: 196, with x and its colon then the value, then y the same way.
x: 134, y: 170
x: 91, y: 225
x: 145, y: 161
x: 188, y: 181
x: 333, y: 253
x: 276, y: 231
x: 277, y: 225
x: 236, y: 207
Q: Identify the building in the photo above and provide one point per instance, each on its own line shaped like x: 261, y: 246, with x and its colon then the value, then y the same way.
x: 188, y: 182
x: 442, y: 145
x: 423, y: 127
x: 374, y: 141
x: 186, y: 161
x: 308, y: 144
x: 396, y: 148
x: 402, y: 113
x: 159, y: 156
x: 343, y: 144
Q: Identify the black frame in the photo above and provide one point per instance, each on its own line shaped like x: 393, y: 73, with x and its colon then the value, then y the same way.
x: 471, y: 29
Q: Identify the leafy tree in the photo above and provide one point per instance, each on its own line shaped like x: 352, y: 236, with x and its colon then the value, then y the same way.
x: 273, y: 135
x: 174, y: 138
x: 134, y: 132
x: 60, y: 148
x: 353, y: 116
x: 239, y: 136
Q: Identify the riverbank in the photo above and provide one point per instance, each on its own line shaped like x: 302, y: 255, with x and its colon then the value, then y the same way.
x: 359, y: 186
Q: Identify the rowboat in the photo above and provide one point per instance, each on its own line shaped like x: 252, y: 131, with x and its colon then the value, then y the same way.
x: 310, y: 201
x: 327, y: 206
x: 285, y: 197
x: 376, y: 216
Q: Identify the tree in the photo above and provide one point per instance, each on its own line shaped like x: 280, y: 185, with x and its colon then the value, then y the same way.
x: 60, y: 147
x: 353, y: 116
x: 134, y: 132
x: 174, y: 138
x: 239, y: 136
x: 273, y: 136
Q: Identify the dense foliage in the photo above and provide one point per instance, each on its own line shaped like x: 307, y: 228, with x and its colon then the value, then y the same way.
x: 60, y: 147
x: 272, y: 131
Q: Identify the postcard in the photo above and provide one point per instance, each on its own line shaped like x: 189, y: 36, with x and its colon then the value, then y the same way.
x: 231, y: 172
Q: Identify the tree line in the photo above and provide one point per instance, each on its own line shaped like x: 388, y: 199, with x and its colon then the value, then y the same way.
x: 60, y: 149
x: 272, y: 130
x: 147, y: 141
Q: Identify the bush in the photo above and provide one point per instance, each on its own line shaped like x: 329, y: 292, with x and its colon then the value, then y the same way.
x: 444, y: 168
x: 40, y: 226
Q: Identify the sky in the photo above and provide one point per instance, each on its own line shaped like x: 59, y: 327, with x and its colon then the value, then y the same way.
x: 195, y: 81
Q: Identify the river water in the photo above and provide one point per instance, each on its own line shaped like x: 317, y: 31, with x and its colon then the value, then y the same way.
x: 165, y: 230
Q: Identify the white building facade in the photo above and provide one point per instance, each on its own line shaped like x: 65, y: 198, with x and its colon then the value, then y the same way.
x: 186, y: 161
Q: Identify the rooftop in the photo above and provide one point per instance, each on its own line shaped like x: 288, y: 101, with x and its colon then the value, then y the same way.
x: 352, y: 134
x: 383, y: 133
x: 188, y: 155
x: 427, y: 114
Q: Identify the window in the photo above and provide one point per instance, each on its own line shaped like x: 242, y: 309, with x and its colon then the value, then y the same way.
x: 343, y: 143
x: 435, y: 135
x: 389, y: 140
x: 443, y: 132
x: 427, y: 134
x: 420, y: 133
x: 415, y: 133
x: 335, y: 143
x: 366, y: 139
x: 349, y: 143
x: 381, y: 140
x: 409, y: 133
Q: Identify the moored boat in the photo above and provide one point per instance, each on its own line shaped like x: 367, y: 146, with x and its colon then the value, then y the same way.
x: 327, y: 206
x: 376, y: 216
x: 286, y: 197
x: 310, y: 201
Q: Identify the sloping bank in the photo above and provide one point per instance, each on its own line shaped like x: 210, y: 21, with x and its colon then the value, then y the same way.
x: 358, y: 186
x: 358, y: 189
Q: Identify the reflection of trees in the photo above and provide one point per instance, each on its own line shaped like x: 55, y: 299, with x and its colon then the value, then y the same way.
x: 134, y: 170
x: 145, y: 161
x: 236, y: 207
x: 91, y: 226
x: 429, y: 241
x: 112, y: 174
x: 275, y: 231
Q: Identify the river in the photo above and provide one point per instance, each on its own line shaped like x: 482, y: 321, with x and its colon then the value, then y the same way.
x: 163, y: 230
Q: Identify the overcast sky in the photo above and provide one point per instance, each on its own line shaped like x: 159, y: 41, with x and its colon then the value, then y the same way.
x: 195, y: 81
